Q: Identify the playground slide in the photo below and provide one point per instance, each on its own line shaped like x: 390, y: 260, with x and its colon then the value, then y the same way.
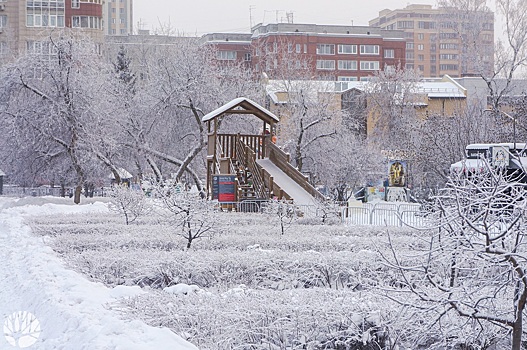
x: 288, y: 185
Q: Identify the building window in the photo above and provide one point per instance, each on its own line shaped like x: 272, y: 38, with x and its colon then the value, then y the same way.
x: 448, y: 36
x: 426, y: 25
x: 75, y: 4
x: 123, y: 31
x: 409, y: 45
x: 369, y: 65
x: 448, y: 56
x: 298, y: 48
x: 326, y: 64
x: 247, y: 57
x: 122, y: 20
x: 305, y: 48
x: 420, y: 47
x: 369, y: 49
x: 86, y: 22
x: 420, y: 36
x: 448, y: 46
x: 405, y: 24
x: 487, y: 37
x: 365, y: 78
x: 389, y: 53
x: 421, y: 57
x: 448, y: 67
x: 421, y: 68
x: 347, y: 78
x: 289, y: 47
x: 325, y: 49
x: 409, y: 66
x: 3, y: 21
x: 223, y: 55
x: 347, y: 65
x: 410, y: 55
x: 45, y: 13
x: 347, y: 49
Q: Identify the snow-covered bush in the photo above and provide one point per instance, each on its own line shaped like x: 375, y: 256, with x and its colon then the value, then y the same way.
x: 245, y: 318
x: 191, y: 216
x: 128, y: 202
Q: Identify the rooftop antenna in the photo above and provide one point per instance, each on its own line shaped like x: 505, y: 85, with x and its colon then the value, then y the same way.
x: 251, y: 7
x: 289, y: 16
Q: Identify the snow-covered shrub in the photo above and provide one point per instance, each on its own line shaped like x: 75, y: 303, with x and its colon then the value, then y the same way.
x: 282, y: 212
x: 191, y: 216
x: 262, y: 319
x: 128, y: 202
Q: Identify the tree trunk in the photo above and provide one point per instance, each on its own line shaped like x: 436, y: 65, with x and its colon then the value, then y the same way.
x: 517, y: 331
x: 77, y: 196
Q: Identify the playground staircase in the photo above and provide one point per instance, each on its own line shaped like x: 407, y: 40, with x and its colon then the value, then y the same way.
x: 262, y: 169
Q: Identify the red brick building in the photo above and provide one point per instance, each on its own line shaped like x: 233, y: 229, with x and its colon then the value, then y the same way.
x: 25, y: 25
x: 329, y: 52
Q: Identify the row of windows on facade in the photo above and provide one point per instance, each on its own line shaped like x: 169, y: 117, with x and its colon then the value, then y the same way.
x: 445, y: 36
x: 472, y: 24
x: 329, y: 49
x: 58, y: 21
x: 447, y: 56
x: 224, y: 55
x: 58, y: 3
x: 342, y: 65
x: 433, y: 69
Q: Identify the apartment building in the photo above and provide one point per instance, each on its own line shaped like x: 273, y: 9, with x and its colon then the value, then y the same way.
x: 25, y: 25
x: 118, y: 17
x: 329, y: 52
x: 443, y: 40
x: 231, y: 47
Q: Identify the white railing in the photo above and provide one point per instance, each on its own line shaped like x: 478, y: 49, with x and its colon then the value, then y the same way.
x: 385, y: 214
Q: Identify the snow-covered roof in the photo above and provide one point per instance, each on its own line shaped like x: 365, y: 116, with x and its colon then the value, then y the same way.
x: 441, y: 89
x: 509, y: 145
x: 2, y: 173
x: 432, y: 89
x: 123, y: 174
x: 468, y: 164
x: 242, y: 105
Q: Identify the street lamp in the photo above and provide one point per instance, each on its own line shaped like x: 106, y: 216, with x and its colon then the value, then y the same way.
x: 513, y: 123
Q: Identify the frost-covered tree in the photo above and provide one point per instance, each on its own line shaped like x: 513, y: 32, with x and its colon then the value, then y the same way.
x: 391, y: 97
x: 182, y: 81
x: 128, y: 202
x: 191, y: 216
x: 53, y: 109
x: 468, y: 279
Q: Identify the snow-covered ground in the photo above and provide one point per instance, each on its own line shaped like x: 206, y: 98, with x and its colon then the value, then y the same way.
x: 69, y: 311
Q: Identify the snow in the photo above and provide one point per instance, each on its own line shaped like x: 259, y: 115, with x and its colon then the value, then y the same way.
x: 294, y: 190
x: 73, y: 312
x: 182, y: 289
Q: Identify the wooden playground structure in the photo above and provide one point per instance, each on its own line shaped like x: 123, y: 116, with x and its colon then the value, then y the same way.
x: 255, y: 168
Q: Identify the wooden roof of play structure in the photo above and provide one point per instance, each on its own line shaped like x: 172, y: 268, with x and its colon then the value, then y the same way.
x: 243, y: 105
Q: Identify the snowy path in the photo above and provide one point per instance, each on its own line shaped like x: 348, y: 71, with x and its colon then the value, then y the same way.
x: 73, y: 312
x: 299, y: 195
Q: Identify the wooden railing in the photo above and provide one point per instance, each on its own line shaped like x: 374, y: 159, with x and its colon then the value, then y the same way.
x: 254, y: 142
x: 247, y: 157
x: 281, y: 160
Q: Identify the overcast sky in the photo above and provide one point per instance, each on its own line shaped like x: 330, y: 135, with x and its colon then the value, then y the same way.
x: 205, y: 16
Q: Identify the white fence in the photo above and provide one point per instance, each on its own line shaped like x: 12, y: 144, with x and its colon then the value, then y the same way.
x: 385, y: 214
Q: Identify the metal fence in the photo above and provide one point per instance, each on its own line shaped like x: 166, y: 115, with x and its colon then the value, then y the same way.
x: 16, y: 191
x: 378, y: 214
x: 385, y: 214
